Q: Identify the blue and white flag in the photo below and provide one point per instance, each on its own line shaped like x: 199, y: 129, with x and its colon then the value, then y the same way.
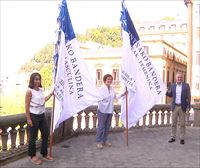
x: 74, y: 87
x: 144, y: 85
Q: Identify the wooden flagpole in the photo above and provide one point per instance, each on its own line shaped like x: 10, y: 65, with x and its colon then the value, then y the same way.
x: 52, y: 115
x: 126, y: 118
x: 51, y: 131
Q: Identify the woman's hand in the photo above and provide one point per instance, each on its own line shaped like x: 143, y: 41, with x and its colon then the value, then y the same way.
x: 29, y: 122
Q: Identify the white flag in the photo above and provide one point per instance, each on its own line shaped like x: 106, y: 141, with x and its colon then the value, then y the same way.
x: 74, y: 88
x: 145, y: 87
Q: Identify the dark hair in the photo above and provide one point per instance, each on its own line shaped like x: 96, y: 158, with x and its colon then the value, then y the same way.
x: 32, y: 78
x: 106, y: 76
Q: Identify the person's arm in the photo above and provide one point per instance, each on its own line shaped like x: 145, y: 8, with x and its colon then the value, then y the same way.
x: 121, y: 95
x: 49, y: 96
x: 27, y: 107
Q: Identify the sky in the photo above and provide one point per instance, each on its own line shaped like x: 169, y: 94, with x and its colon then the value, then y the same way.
x: 27, y: 26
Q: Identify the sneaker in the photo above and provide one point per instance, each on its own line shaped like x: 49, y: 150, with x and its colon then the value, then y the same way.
x: 108, y: 144
x: 99, y: 146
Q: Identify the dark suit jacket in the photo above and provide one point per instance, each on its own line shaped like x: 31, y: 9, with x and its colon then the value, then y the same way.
x: 185, y: 96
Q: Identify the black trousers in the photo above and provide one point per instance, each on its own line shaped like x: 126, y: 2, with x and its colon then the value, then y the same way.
x: 39, y: 123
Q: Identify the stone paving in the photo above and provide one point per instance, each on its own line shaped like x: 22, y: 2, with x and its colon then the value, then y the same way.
x: 148, y: 148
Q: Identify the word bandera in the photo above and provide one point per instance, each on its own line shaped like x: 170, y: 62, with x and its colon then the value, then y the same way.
x: 147, y: 67
x: 73, y: 72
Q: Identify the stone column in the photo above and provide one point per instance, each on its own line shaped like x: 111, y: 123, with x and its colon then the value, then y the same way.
x: 196, y: 108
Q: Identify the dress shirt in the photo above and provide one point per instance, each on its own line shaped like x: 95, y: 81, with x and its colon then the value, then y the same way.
x: 178, y: 93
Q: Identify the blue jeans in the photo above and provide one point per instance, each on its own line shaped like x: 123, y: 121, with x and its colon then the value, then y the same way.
x: 104, y: 123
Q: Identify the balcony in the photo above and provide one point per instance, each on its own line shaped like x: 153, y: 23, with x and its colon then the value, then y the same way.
x: 74, y: 141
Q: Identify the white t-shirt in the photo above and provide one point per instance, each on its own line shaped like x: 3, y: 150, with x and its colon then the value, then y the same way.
x: 37, y: 102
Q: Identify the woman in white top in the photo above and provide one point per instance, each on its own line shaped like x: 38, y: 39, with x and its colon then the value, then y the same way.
x: 105, y: 110
x: 35, y: 109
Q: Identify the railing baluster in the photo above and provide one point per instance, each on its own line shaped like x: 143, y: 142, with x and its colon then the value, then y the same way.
x: 144, y: 120
x: 87, y: 119
x: 150, y: 118
x: 156, y: 117
x: 13, y: 135
x: 162, y: 117
x: 94, y: 118
x: 21, y: 131
x: 4, y: 138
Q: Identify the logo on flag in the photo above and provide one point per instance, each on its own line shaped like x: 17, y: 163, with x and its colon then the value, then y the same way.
x: 144, y: 85
x: 74, y: 88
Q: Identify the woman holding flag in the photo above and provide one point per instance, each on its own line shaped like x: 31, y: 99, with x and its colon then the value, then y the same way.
x: 105, y: 110
x: 35, y: 108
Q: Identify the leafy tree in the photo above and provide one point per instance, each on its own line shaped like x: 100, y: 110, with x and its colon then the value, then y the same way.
x: 46, y: 73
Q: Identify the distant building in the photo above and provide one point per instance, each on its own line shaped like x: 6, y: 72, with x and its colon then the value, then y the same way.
x: 166, y: 59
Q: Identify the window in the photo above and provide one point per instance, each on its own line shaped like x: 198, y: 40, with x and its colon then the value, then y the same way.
x: 173, y: 27
x: 167, y: 75
x: 141, y: 29
x: 173, y: 77
x: 184, y: 26
x: 115, y: 74
x: 152, y: 28
x: 99, y: 74
x: 162, y: 27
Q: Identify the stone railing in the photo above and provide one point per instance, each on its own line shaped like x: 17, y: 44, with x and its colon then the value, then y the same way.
x: 14, y: 133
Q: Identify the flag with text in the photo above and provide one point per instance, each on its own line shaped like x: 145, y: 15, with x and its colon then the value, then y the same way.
x: 139, y: 75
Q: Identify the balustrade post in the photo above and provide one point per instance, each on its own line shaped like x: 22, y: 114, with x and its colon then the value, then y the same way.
x: 13, y: 135
x: 150, y: 118
x: 196, y: 108
x: 87, y: 119
x: 116, y: 119
x: 21, y: 131
x: 144, y: 120
x: 4, y: 138
x: 156, y: 117
x: 94, y: 118
x: 162, y: 117
x: 79, y: 119
x: 27, y: 134
x: 168, y: 117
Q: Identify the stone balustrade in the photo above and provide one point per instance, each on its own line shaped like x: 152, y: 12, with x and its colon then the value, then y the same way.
x: 14, y: 132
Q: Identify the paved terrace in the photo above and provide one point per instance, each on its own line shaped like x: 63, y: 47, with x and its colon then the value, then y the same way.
x: 148, y: 147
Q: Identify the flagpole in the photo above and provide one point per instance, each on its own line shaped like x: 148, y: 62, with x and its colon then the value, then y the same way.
x: 126, y: 118
x: 51, y: 131
x: 52, y: 116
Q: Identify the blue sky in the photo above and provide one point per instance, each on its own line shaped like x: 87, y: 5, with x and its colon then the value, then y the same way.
x: 27, y: 26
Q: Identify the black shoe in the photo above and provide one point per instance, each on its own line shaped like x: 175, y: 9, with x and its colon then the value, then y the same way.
x: 171, y: 140
x: 182, y: 141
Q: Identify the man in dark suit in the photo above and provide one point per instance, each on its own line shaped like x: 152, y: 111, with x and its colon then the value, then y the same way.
x: 181, y: 98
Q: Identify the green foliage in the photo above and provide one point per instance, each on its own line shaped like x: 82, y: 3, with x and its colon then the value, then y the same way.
x: 103, y: 35
x: 46, y: 73
x: 40, y: 59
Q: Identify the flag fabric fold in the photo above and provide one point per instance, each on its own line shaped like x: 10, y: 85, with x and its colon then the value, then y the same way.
x: 74, y: 88
x: 143, y: 83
